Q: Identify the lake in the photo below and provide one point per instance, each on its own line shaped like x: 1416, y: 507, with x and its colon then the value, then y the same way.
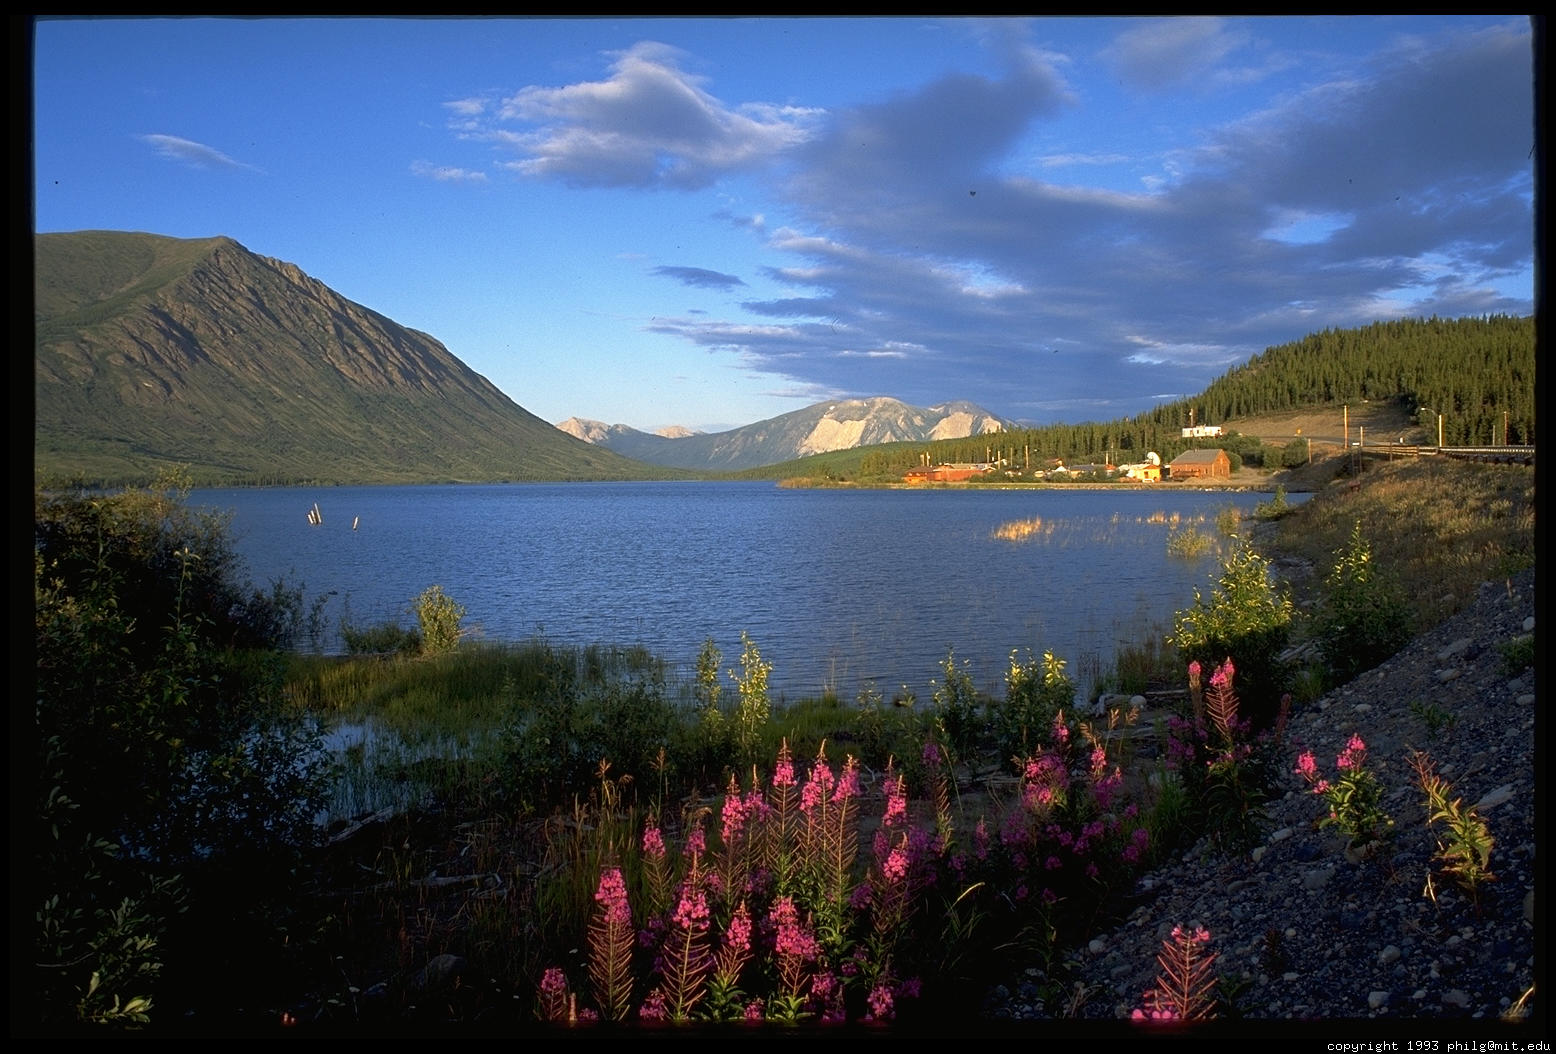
x: 836, y: 587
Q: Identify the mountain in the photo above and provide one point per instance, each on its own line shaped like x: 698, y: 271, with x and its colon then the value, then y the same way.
x: 837, y: 425
x: 152, y: 352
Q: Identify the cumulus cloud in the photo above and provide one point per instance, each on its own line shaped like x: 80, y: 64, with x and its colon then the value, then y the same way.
x: 700, y: 277
x: 189, y: 152
x: 1403, y: 189
x: 930, y: 252
x: 649, y: 124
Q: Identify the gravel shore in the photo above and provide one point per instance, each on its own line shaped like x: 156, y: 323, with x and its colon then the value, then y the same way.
x: 1304, y: 935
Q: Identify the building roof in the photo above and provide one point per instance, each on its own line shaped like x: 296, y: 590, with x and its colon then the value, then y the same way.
x: 1196, y: 457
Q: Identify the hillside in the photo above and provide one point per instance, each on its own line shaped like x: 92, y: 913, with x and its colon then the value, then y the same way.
x: 154, y: 351
x: 841, y: 424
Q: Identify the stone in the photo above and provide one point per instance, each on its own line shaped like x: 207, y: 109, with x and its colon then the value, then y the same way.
x: 1456, y: 997
x: 1458, y: 647
x: 1529, y: 624
x: 1377, y: 1000
x: 1315, y: 880
x: 1444, y: 676
x: 1388, y: 955
x: 1496, y: 797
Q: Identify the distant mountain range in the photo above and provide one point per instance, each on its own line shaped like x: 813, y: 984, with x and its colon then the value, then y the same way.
x: 153, y: 352
x: 840, y: 424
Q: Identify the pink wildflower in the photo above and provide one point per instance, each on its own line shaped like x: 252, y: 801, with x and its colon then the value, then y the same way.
x: 1355, y: 752
x: 881, y: 1003
x: 1307, y: 767
x: 1222, y: 678
x: 896, y: 866
x: 737, y: 936
x: 692, y: 911
x: 755, y: 1011
x: 612, y: 896
x: 653, y: 841
x: 848, y: 783
x: 783, y: 772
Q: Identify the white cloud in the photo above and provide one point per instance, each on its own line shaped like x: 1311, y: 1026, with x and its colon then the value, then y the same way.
x: 446, y: 173
x: 186, y: 150
x: 649, y: 125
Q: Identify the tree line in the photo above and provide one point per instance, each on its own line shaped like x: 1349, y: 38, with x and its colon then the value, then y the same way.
x: 1477, y: 372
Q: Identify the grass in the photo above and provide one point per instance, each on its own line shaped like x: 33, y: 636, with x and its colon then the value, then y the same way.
x: 1441, y: 526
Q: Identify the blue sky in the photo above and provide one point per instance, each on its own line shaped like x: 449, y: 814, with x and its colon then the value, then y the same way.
x: 709, y: 222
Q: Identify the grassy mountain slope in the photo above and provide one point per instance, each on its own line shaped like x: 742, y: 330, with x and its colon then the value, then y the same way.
x: 154, y: 351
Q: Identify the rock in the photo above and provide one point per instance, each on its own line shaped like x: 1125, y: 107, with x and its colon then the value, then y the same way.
x: 438, y: 973
x: 1376, y: 1000
x: 1456, y: 997
x: 1315, y: 880
x: 1444, y: 676
x: 1496, y: 797
x: 1529, y: 624
x: 1458, y: 647
x: 1389, y: 954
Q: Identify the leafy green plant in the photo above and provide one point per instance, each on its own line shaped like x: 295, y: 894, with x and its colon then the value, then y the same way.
x: 1355, y: 797
x: 754, y: 708
x: 1517, y: 654
x: 1035, y: 694
x: 1433, y: 716
x: 956, y: 708
x: 1276, y: 507
x: 439, y: 616
x: 1189, y: 543
x: 1222, y: 766
x: 1362, y: 617
x: 1246, y: 617
x: 385, y: 638
x: 1465, y: 848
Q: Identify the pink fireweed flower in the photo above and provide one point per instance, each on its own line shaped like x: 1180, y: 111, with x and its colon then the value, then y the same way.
x: 612, y: 896
x: 783, y: 771
x: 896, y: 801
x: 881, y: 1003
x: 1194, y: 670
x: 896, y: 866
x: 931, y: 754
x: 1222, y: 678
x: 691, y: 912
x: 1061, y: 731
x: 794, y: 940
x: 654, y: 1007
x: 848, y: 783
x: 755, y: 1011
x: 981, y: 839
x: 1307, y: 767
x: 737, y: 935
x: 1354, y: 754
x: 653, y: 842
x: 696, y: 841
x: 732, y: 815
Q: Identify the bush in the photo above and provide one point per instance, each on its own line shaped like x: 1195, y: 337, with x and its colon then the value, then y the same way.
x: 161, y: 749
x: 1362, y: 617
x: 1035, y: 693
x: 1245, y: 618
x: 439, y: 616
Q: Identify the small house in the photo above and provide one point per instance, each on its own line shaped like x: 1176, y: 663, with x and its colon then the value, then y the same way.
x: 1201, y: 464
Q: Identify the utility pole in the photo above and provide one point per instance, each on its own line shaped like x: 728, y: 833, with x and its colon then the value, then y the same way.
x: 1346, y: 418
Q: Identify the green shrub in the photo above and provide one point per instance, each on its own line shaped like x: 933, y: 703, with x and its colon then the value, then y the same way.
x: 1362, y: 617
x: 1517, y: 654
x: 162, y: 749
x: 1247, y: 618
x: 957, y: 710
x: 384, y: 638
x: 1035, y: 693
x: 1190, y: 543
x: 439, y: 616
